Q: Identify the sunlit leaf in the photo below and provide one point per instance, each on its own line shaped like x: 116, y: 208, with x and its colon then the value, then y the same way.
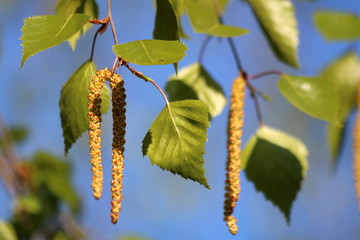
x: 166, y: 22
x: 43, y: 32
x: 315, y: 96
x: 204, y: 18
x: 74, y: 103
x: 7, y: 231
x: 276, y: 163
x: 87, y: 7
x: 151, y: 52
x: 175, y: 141
x: 194, y: 82
x: 337, y: 26
x: 278, y: 22
x: 344, y: 72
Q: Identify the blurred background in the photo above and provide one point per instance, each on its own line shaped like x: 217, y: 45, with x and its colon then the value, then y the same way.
x: 159, y: 205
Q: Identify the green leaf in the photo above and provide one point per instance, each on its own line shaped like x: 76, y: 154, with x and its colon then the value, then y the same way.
x: 194, y: 82
x: 315, y: 96
x: 175, y: 140
x: 151, y: 52
x: 276, y: 163
x: 278, y: 22
x: 204, y: 18
x: 7, y: 231
x: 74, y: 103
x: 344, y: 72
x: 87, y: 7
x: 43, y: 32
x: 179, y: 7
x: 337, y: 26
x: 54, y: 174
x: 166, y: 22
x: 335, y: 136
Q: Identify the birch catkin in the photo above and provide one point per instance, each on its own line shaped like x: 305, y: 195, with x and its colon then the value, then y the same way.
x: 119, y: 124
x: 94, y: 106
x: 356, y: 145
x: 233, y: 164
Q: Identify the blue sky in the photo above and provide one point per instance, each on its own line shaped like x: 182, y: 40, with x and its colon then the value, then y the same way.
x: 158, y: 204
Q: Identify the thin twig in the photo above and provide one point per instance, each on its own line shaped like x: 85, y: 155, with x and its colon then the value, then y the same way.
x: 203, y: 47
x: 248, y: 84
x: 162, y: 93
x: 263, y: 74
x: 93, y: 44
x: 236, y: 56
x: 113, y: 32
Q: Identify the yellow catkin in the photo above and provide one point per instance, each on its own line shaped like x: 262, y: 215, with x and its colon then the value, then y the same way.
x: 94, y: 106
x: 233, y: 164
x: 119, y: 124
x: 356, y: 145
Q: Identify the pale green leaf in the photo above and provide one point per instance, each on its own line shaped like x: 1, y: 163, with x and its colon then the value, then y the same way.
x: 204, y: 18
x: 276, y: 163
x: 337, y: 26
x: 43, y: 32
x: 335, y: 136
x: 315, y: 96
x: 344, y: 72
x: 194, y: 82
x: 166, y: 22
x: 74, y: 103
x: 7, y: 231
x: 175, y: 140
x: 87, y: 7
x: 179, y: 7
x: 278, y: 22
x: 151, y: 52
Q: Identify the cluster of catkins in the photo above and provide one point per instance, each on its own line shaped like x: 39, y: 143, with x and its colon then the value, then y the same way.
x: 119, y: 124
x: 233, y: 164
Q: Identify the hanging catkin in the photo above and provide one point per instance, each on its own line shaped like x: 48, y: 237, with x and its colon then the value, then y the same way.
x: 119, y: 124
x: 356, y: 145
x: 233, y: 164
x: 94, y: 106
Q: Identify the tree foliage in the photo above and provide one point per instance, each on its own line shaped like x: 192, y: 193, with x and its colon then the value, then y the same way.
x: 275, y: 161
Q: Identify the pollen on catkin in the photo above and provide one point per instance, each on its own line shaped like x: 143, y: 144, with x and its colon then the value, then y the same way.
x: 94, y: 106
x: 119, y: 125
x: 356, y: 145
x: 233, y: 164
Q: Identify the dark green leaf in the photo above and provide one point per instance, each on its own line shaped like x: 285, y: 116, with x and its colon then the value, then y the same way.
x: 337, y: 26
x: 7, y: 231
x: 166, y: 22
x: 315, y: 96
x: 74, y: 103
x: 43, y: 32
x: 54, y: 173
x: 278, y: 22
x: 175, y: 140
x: 204, y: 18
x: 87, y: 7
x: 194, y: 82
x: 19, y: 133
x: 151, y: 52
x: 276, y: 163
